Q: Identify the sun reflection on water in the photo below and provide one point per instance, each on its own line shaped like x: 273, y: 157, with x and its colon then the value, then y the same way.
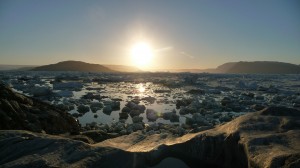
x: 141, y: 88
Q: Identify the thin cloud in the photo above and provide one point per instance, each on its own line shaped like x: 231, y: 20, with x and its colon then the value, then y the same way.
x: 168, y: 48
x: 186, y: 54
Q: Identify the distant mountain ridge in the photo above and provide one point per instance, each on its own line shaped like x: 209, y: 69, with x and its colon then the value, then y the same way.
x: 267, y: 67
x: 86, y: 67
x: 73, y: 66
x: 255, y: 67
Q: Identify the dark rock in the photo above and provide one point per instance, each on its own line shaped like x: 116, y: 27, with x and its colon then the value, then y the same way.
x: 21, y: 112
x: 107, y: 110
x: 187, y: 110
x: 183, y: 111
x: 189, y: 121
x: 116, y: 99
x: 118, y: 126
x: 63, y: 107
x: 98, y: 135
x: 151, y: 114
x: 83, y: 109
x: 257, y: 107
x: 180, y: 131
x: 174, y: 118
x: 161, y: 91
x: 126, y: 109
x: 134, y: 106
x: 201, y: 128
x: 130, y: 105
x: 95, y: 106
x: 82, y: 138
x: 137, y: 126
x: 141, y: 108
x: 168, y: 115
x: 92, y: 96
x: 40, y: 91
x: 259, y: 97
x: 241, y: 84
x: 149, y: 99
x: 183, y: 102
x: 249, y: 94
x: 226, y: 101
x: 196, y: 91
x: 296, y: 105
x: 137, y: 119
x: 200, y: 120
x: 92, y: 88
x: 280, y: 111
x: 261, y: 88
x: 76, y: 115
x: 123, y: 115
x: 134, y: 113
x: 115, y: 105
x: 224, y: 118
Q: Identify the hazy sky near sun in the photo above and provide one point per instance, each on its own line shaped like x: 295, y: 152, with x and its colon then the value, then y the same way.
x: 184, y: 33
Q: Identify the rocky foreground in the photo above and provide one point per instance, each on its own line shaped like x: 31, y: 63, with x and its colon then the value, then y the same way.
x: 267, y: 138
x: 21, y: 112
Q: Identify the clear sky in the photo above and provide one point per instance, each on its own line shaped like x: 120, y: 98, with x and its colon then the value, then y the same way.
x: 182, y: 33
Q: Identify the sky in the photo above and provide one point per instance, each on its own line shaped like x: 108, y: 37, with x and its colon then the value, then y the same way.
x: 182, y: 33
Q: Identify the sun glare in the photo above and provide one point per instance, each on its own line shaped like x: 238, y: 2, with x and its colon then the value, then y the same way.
x: 141, y: 54
x: 141, y: 88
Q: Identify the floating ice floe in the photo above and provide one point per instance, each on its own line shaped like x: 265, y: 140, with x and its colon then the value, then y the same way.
x: 75, y: 86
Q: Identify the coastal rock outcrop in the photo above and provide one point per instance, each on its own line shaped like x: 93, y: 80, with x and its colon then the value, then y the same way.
x: 267, y: 138
x: 19, y: 112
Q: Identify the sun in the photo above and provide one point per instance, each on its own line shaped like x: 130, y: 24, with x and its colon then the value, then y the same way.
x: 141, y: 54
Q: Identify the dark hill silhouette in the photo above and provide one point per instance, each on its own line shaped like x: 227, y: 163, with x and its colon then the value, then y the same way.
x: 267, y: 67
x: 73, y: 66
x: 257, y: 67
